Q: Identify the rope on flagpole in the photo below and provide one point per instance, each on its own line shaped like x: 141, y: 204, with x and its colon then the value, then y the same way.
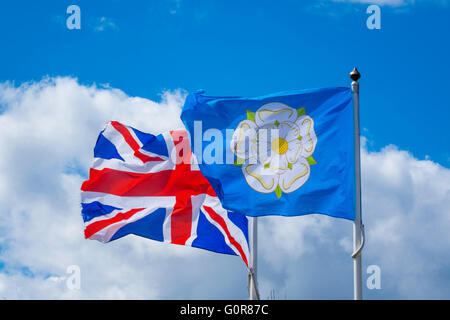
x: 361, y: 246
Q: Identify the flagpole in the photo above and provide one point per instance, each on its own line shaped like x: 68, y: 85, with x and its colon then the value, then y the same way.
x: 252, y: 283
x: 358, y: 227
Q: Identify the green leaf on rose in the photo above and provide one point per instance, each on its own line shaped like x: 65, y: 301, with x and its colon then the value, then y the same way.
x: 278, y: 192
x: 311, y: 160
x: 250, y: 115
x: 239, y: 162
x: 301, y: 111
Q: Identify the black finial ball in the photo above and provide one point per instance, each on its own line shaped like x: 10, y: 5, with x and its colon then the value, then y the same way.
x: 355, y: 75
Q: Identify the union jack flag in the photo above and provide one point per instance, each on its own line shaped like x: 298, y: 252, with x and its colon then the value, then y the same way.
x: 151, y: 186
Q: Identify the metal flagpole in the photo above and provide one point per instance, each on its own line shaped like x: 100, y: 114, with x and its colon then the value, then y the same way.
x: 252, y: 283
x: 358, y: 227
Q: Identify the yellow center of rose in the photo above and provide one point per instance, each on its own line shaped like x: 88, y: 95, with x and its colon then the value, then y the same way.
x: 279, y: 145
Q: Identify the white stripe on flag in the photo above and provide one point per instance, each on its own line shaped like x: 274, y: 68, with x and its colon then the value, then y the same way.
x: 148, y: 167
x: 167, y: 227
x: 197, y: 202
x: 110, y: 215
x: 105, y: 234
x: 127, y: 202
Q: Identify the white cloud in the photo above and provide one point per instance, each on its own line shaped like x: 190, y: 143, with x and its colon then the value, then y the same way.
x: 407, y: 217
x: 104, y: 23
x: 47, y: 132
x: 408, y: 202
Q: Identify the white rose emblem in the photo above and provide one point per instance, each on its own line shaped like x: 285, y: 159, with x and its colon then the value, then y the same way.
x: 274, y: 146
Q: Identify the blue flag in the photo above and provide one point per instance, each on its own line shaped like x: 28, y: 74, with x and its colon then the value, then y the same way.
x: 290, y: 153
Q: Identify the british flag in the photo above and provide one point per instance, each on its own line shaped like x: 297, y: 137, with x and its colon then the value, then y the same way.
x: 151, y: 186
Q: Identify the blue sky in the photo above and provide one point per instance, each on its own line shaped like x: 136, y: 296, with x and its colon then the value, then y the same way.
x: 249, y: 48
x: 134, y: 61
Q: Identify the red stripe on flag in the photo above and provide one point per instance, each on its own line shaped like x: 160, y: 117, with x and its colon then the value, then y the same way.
x: 132, y: 143
x: 95, y: 227
x: 222, y: 223
x: 181, y: 218
x: 131, y: 184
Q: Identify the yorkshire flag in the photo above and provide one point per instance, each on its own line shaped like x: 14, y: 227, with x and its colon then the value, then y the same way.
x: 290, y: 153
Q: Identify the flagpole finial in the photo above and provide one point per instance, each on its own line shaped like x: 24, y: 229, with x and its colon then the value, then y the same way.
x: 355, y: 75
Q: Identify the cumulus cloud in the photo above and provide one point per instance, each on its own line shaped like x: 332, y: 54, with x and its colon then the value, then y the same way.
x: 407, y: 208
x: 47, y: 132
x: 104, y: 23
x: 406, y: 212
